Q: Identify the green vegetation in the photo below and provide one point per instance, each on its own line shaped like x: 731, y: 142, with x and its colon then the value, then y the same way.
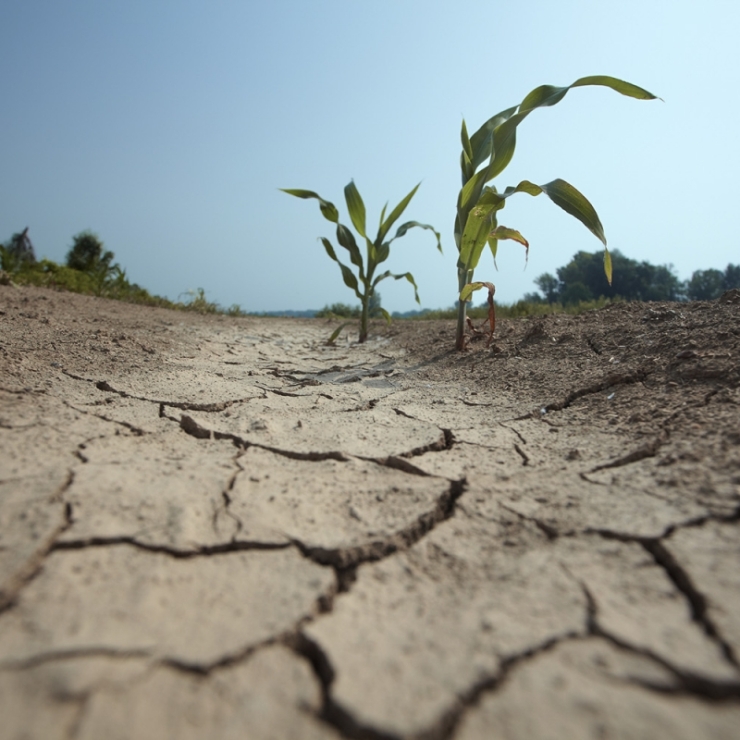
x: 476, y: 223
x: 582, y: 279
x: 517, y: 310
x: 89, y: 269
x: 377, y: 251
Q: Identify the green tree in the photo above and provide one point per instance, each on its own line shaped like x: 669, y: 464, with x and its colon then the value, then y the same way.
x: 705, y: 285
x: 731, y: 277
x: 583, y: 279
x: 549, y: 286
x: 87, y: 253
x: 17, y: 252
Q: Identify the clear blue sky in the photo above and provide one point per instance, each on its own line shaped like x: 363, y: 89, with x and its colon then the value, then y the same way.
x: 167, y: 127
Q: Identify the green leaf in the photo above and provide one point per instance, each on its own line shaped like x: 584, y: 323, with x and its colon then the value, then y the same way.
x: 382, y: 253
x: 502, y: 128
x: 386, y: 315
x: 349, y: 277
x: 620, y: 86
x: 329, y: 248
x: 467, y: 148
x: 356, y: 207
x: 394, y: 216
x: 469, y: 289
x: 337, y: 332
x: 406, y: 275
x: 503, y: 232
x: 608, y: 265
x: 403, y: 228
x: 482, y: 140
x: 479, y: 222
x: 347, y: 240
x: 327, y: 209
x: 572, y: 201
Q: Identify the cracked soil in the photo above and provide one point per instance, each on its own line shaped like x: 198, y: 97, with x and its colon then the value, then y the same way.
x: 216, y: 527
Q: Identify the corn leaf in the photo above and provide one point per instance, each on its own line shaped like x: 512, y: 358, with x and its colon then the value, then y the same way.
x: 349, y: 277
x: 356, y: 207
x: 608, y: 265
x: 572, y: 201
x: 403, y: 228
x: 480, y: 221
x: 470, y: 288
x: 406, y: 275
x: 504, y: 133
x: 467, y: 147
x: 333, y: 338
x: 394, y: 216
x: 482, y: 140
x: 347, y: 240
x: 328, y: 209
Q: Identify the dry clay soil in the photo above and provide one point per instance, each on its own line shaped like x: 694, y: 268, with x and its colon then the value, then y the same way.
x: 216, y: 527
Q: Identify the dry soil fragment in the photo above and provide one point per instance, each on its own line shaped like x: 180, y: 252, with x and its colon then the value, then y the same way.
x: 637, y: 603
x: 328, y: 504
x: 429, y: 623
x: 190, y: 610
x: 374, y: 433
x: 163, y: 490
x: 586, y: 690
x: 45, y: 700
x: 569, y: 503
x: 710, y: 555
x: 271, y: 696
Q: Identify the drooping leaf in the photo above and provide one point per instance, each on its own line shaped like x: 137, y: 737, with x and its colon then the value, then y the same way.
x: 620, y: 86
x: 503, y: 127
x: 608, y: 265
x: 406, y: 275
x: 574, y: 202
x: 504, y: 232
x: 403, y: 228
x: 328, y: 209
x: 356, y: 207
x: 395, y: 214
x: 347, y: 275
x: 470, y: 288
x: 386, y: 315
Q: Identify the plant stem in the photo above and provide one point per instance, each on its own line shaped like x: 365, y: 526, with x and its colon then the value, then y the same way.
x: 363, y: 318
x: 463, y: 278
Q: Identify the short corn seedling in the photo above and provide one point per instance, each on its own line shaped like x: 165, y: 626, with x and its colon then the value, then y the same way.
x: 478, y: 204
x: 377, y: 250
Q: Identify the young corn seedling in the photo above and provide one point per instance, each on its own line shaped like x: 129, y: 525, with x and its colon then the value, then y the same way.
x: 478, y: 204
x: 376, y: 252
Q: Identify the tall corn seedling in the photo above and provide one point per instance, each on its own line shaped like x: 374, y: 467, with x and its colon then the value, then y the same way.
x: 478, y: 204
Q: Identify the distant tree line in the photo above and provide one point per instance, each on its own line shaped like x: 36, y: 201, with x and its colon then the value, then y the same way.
x: 583, y: 279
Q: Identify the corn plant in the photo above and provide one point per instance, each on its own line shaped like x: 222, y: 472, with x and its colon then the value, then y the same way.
x: 377, y: 250
x: 478, y: 204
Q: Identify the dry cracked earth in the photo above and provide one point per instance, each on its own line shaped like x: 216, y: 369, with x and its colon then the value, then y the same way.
x: 216, y: 527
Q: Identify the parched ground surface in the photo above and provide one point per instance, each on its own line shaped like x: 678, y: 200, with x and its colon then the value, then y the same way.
x: 214, y: 527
